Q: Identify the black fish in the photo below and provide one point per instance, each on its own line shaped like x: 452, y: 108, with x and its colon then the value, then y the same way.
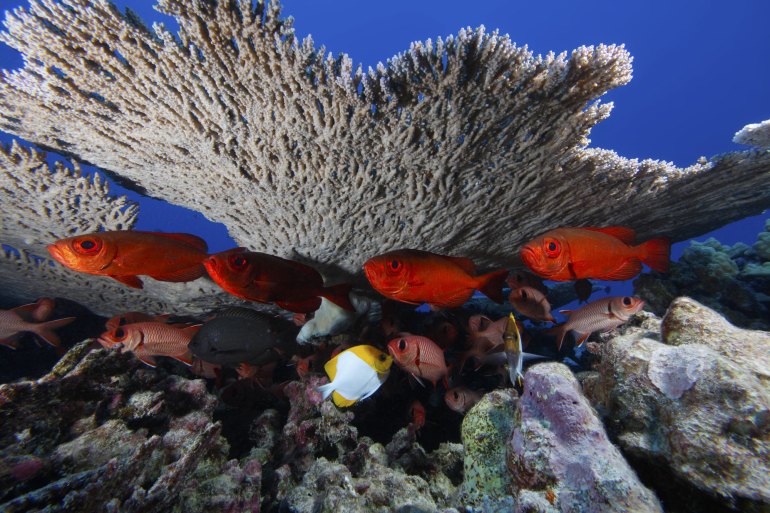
x: 240, y: 335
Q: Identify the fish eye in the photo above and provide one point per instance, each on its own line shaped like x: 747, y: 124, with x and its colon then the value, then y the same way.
x: 88, y: 246
x: 382, y: 357
x: 552, y: 248
x: 402, y: 344
x: 120, y: 333
x: 395, y: 265
x: 524, y: 295
x: 627, y: 301
x: 456, y: 395
x: 237, y: 262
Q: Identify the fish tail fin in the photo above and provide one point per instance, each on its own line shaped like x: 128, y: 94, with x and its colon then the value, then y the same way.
x: 44, y: 330
x: 326, y: 390
x: 339, y: 295
x: 559, y: 332
x: 491, y: 285
x: 656, y: 253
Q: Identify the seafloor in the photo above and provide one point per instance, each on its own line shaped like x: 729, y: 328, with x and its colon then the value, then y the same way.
x: 670, y: 412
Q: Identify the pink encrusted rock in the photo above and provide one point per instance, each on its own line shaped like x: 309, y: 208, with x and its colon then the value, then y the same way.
x: 559, y: 449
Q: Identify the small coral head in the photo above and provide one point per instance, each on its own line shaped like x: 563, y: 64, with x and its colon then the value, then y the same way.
x: 86, y: 253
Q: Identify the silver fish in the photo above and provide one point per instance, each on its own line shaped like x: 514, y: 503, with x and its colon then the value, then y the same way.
x: 601, y: 315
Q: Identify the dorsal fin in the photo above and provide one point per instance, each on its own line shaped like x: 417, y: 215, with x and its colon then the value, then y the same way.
x: 187, y: 238
x: 626, y: 235
x: 466, y: 264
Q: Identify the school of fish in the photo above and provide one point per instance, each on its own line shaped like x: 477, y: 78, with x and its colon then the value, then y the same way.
x: 451, y: 353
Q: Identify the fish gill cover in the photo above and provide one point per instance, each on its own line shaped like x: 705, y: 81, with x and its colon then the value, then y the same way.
x: 308, y: 156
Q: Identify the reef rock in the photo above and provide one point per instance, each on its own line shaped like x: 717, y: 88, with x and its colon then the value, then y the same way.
x: 102, y: 432
x: 560, y: 456
x: 693, y: 411
x: 308, y: 156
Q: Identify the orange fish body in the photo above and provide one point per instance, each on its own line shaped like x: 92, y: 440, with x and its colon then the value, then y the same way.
x: 149, y: 339
x: 419, y: 356
x: 415, y: 276
x: 270, y: 279
x: 123, y: 255
x: 568, y: 254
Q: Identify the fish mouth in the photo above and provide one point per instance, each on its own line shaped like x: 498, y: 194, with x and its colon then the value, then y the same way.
x: 55, y: 252
x: 528, y: 256
x: 212, y: 266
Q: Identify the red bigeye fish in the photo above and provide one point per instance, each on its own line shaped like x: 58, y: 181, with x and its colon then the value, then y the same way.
x: 420, y: 357
x: 123, y: 255
x: 531, y: 303
x: 414, y: 276
x: 460, y: 399
x: 600, y: 315
x: 417, y: 415
x: 568, y: 254
x: 12, y: 325
x: 266, y: 278
x: 149, y: 339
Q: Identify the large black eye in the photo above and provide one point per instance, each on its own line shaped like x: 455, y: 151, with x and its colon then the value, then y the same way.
x: 237, y: 262
x: 120, y: 333
x: 627, y: 301
x: 382, y: 357
x: 395, y: 265
x: 552, y: 248
x: 401, y: 344
x: 457, y: 396
x: 87, y: 246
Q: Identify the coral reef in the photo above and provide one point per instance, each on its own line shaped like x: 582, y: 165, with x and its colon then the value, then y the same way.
x: 101, y: 431
x: 755, y: 134
x: 692, y: 412
x: 305, y: 156
x: 734, y: 280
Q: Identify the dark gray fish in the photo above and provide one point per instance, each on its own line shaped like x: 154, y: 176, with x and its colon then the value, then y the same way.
x: 240, y: 335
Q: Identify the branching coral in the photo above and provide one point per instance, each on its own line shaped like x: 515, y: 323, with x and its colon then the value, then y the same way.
x: 304, y: 155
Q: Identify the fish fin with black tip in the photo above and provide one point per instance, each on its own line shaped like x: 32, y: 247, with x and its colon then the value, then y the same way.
x: 491, y: 285
x: 184, y: 358
x: 130, y: 280
x: 621, y: 233
x: 656, y: 253
x: 147, y: 360
x: 579, y: 342
x: 626, y: 271
x: 339, y: 295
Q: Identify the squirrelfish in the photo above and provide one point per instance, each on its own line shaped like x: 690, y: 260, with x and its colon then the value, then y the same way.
x: 149, y: 339
x: 568, y: 254
x: 414, y: 276
x: 133, y: 317
x: 270, y: 279
x: 419, y: 356
x: 531, y: 303
x: 355, y: 374
x: 123, y: 255
x: 241, y: 335
x: 601, y: 315
x: 460, y: 399
x: 13, y: 324
x: 514, y: 352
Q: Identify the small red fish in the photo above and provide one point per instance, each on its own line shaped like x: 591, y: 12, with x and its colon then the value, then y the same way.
x: 601, y: 315
x: 266, y: 278
x: 123, y: 255
x: 306, y: 365
x: 419, y: 356
x: 417, y: 414
x: 568, y: 254
x: 12, y: 325
x: 460, y: 399
x: 149, y: 339
x: 531, y: 303
x: 132, y: 318
x: 416, y: 277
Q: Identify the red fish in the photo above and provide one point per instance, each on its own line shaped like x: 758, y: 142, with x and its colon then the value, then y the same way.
x: 417, y: 415
x: 414, y: 276
x: 123, y: 255
x: 270, y: 279
x: 134, y: 317
x: 419, y: 356
x: 12, y: 325
x: 531, y: 303
x: 568, y: 254
x: 460, y: 399
x: 601, y: 315
x: 149, y: 339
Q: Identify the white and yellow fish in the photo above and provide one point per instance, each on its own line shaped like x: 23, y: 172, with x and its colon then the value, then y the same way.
x: 355, y: 374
